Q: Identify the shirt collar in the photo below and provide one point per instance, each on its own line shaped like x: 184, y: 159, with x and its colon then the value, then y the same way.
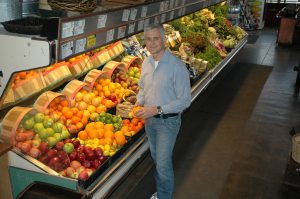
x: 163, y: 59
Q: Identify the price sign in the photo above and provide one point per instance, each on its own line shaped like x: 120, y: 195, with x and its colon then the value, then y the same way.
x: 80, y: 45
x: 66, y: 49
x: 121, y: 31
x: 67, y: 29
x: 91, y: 41
x: 101, y: 23
x: 79, y: 27
x: 133, y: 12
x: 131, y: 28
x: 125, y: 15
x: 110, y: 35
x: 144, y: 11
x: 140, y: 25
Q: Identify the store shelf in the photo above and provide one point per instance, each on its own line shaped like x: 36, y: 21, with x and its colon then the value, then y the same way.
x: 83, y: 33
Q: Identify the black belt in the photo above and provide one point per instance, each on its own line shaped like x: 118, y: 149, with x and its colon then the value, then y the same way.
x: 165, y: 116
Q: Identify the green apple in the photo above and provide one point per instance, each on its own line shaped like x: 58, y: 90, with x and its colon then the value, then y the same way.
x: 39, y: 118
x: 68, y: 148
x: 57, y: 127
x: 43, y: 135
x: 50, y: 132
x: 48, y: 122
x: 36, y: 142
x: 57, y: 136
x: 51, y: 141
x: 29, y: 123
x: 65, y: 134
x: 38, y: 127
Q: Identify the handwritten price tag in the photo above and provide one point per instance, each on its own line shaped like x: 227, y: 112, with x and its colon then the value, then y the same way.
x: 66, y: 49
x: 67, y: 29
x: 80, y: 45
x: 79, y: 27
x: 101, y: 21
x: 110, y: 35
x: 125, y: 15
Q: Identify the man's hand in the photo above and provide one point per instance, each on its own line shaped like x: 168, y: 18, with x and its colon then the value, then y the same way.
x: 145, y: 112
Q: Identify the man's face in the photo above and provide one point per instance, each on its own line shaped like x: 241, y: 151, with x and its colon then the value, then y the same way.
x: 154, y: 42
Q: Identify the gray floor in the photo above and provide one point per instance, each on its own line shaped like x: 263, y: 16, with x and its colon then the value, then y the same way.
x: 234, y: 141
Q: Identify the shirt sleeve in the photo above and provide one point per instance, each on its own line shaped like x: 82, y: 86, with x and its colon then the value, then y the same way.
x: 141, y: 94
x: 182, y: 89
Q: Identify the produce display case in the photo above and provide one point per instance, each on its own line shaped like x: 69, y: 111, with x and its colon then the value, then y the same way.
x: 82, y: 41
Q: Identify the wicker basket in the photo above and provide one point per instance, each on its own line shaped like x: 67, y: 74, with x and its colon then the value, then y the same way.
x: 43, y: 101
x: 74, y: 5
x: 11, y: 121
x: 124, y: 110
x: 73, y: 87
x: 130, y: 60
x: 93, y: 77
x: 111, y: 66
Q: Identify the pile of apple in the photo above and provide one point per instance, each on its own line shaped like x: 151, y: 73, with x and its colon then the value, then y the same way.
x: 120, y: 77
x: 134, y: 73
x: 36, y: 128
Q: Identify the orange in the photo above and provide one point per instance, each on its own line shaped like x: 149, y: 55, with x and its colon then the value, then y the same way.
x: 108, y: 127
x: 100, y: 133
x: 84, y: 120
x: 108, y: 140
x: 57, y: 100
x: 93, y: 134
x: 124, y: 129
x: 99, y: 125
x: 109, y: 134
x: 68, y: 114
x: 82, y: 135
x: 75, y: 119
x: 90, y: 126
x: 101, y: 108
x: 79, y: 125
x: 79, y: 114
x: 120, y: 139
x: 74, y: 110
x: 102, y: 141
x: 64, y: 103
x: 134, y: 121
x: 117, y: 133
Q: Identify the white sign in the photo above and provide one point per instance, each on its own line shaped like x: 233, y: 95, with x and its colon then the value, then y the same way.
x: 144, y: 11
x: 131, y: 28
x: 125, y: 15
x: 67, y: 29
x: 133, y: 12
x: 79, y: 27
x: 80, y: 45
x: 110, y: 35
x: 121, y: 31
x: 101, y: 21
x: 141, y: 25
x: 66, y: 49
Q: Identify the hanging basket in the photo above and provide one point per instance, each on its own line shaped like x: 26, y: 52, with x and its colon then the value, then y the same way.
x: 82, y: 6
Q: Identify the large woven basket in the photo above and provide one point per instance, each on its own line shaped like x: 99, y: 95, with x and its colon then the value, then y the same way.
x: 74, y: 5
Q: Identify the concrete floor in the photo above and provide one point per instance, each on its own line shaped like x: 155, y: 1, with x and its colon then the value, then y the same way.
x: 234, y: 141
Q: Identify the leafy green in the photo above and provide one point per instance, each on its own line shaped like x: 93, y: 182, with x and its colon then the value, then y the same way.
x: 211, y: 55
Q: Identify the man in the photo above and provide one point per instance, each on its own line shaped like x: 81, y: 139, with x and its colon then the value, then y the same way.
x: 164, y: 94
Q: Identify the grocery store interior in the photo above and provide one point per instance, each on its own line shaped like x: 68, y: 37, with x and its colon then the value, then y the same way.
x: 64, y: 135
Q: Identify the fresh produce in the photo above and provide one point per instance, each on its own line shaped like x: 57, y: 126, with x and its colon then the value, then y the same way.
x: 134, y: 73
x: 21, y: 77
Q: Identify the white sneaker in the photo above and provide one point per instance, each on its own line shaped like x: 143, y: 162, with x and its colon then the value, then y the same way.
x: 154, y: 196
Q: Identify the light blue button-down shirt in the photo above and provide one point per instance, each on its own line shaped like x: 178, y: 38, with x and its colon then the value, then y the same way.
x: 167, y: 85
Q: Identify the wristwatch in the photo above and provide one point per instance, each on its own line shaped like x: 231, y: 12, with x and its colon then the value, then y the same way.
x: 159, y: 110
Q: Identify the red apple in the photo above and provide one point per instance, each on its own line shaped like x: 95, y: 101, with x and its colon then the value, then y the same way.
x: 70, y: 171
x: 75, y: 164
x: 53, y: 161
x: 44, y: 159
x: 73, y: 155
x: 51, y: 153
x: 81, y: 157
x: 87, y: 164
x: 59, y: 145
x: 35, y: 152
x: 96, y: 163
x: 44, y: 147
x: 90, y: 155
x: 89, y: 171
x: 98, y: 152
x: 83, y: 175
x: 25, y: 147
x: 62, y: 155
x: 76, y: 143
x: 79, y: 169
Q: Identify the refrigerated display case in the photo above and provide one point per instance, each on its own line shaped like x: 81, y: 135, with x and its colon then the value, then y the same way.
x: 78, y: 35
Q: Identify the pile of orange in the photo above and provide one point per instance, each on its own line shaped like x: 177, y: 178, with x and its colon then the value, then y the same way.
x: 73, y: 118
x: 134, y: 125
x: 102, y: 133
x: 23, y: 76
